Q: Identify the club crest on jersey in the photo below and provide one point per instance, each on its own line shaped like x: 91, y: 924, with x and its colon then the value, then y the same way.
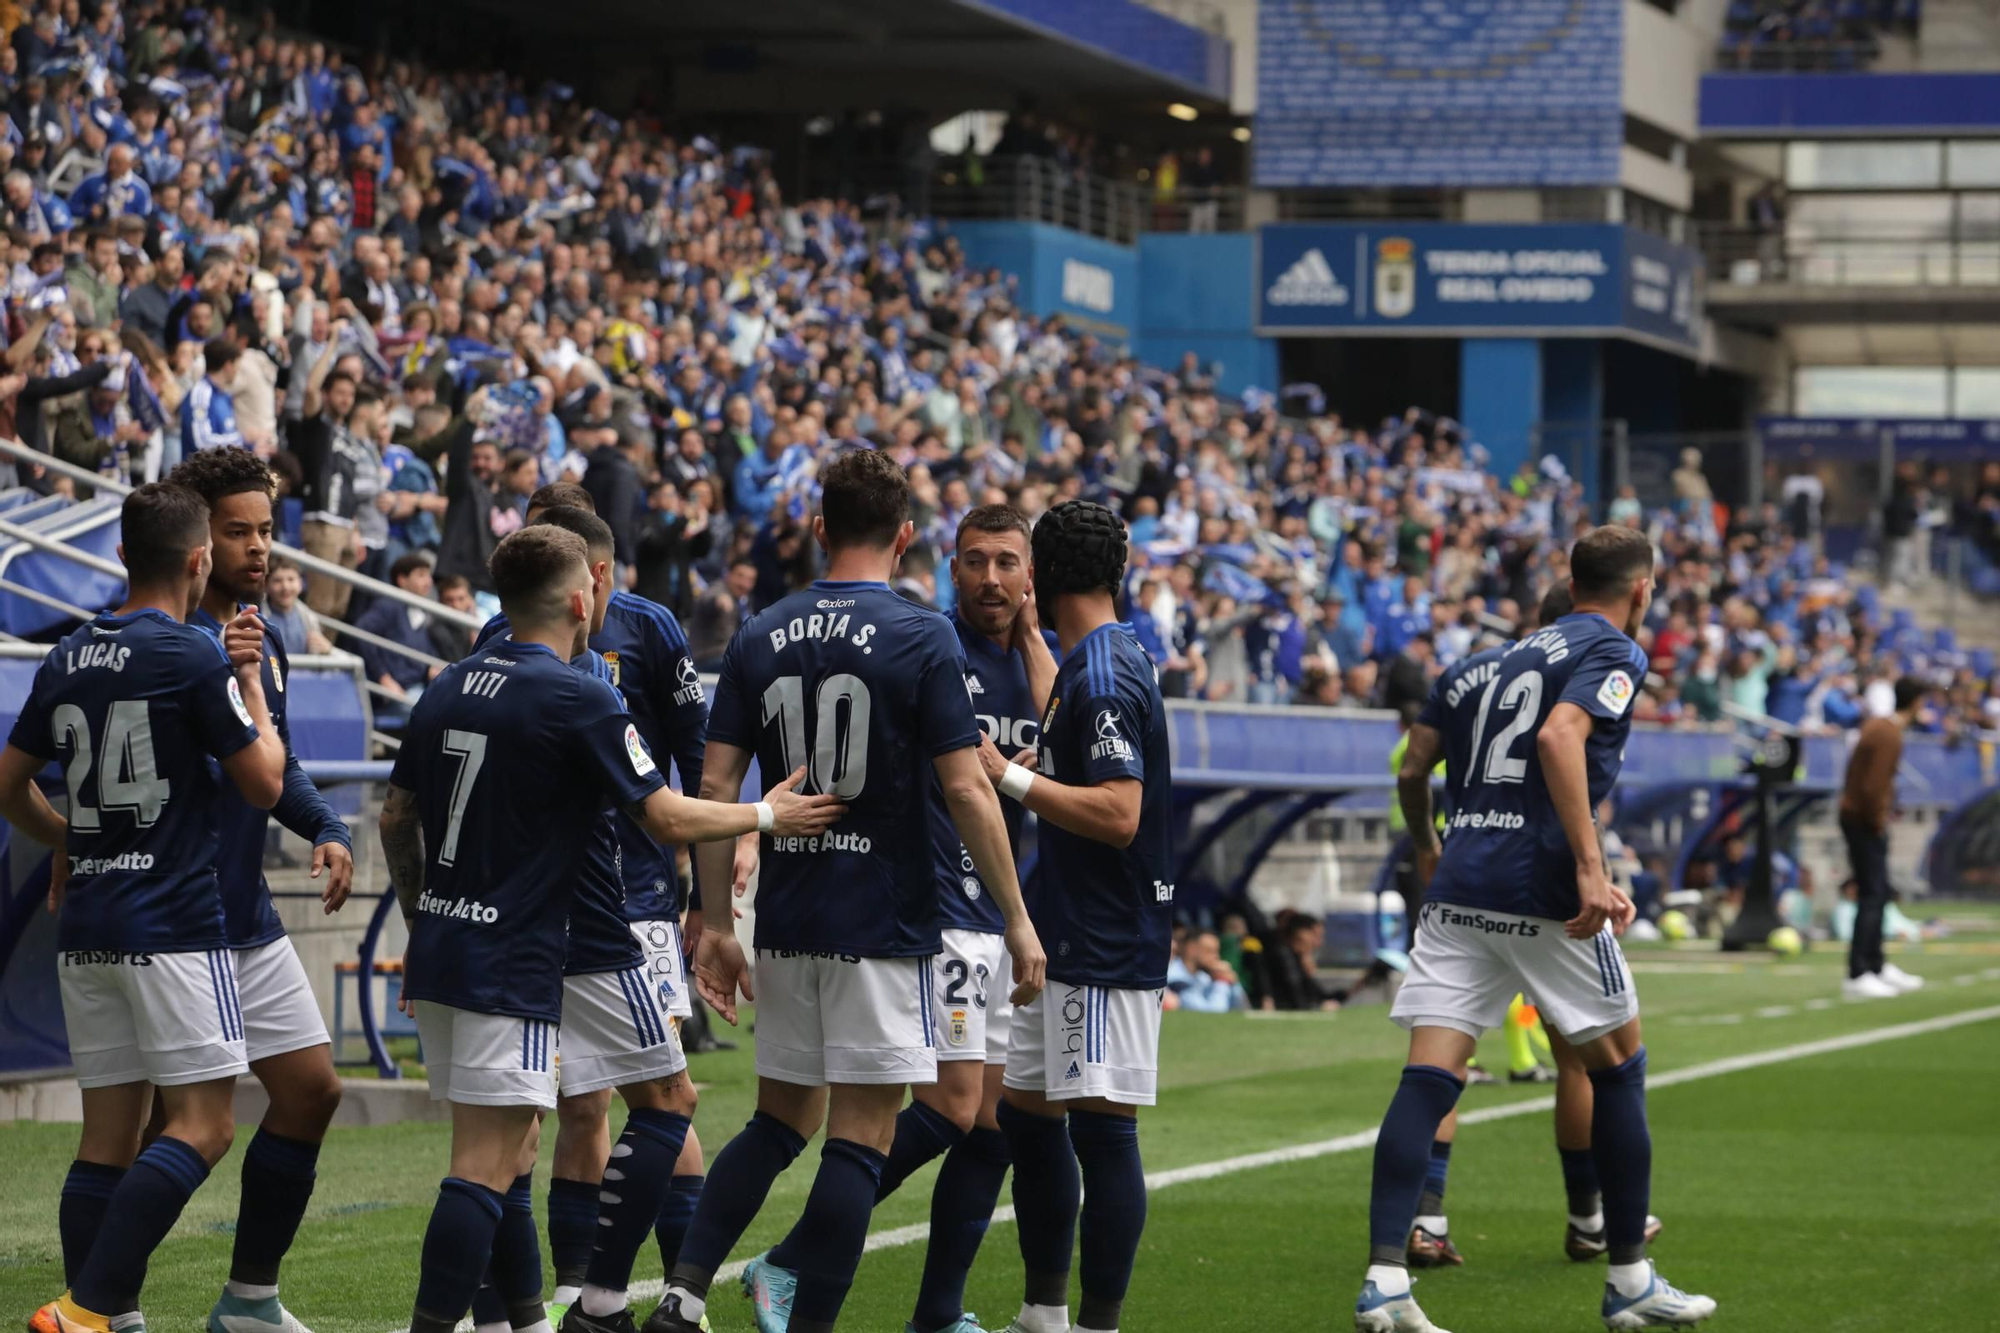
x: 1616, y: 692
x: 277, y: 678
x: 1110, y: 744
x: 236, y: 703
x: 642, y: 763
x: 1049, y: 718
x: 955, y: 1030
x: 611, y: 664
x: 689, y: 691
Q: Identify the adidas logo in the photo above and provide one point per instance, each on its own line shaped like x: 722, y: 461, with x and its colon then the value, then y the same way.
x: 1309, y: 281
x: 972, y: 685
x: 1073, y: 1071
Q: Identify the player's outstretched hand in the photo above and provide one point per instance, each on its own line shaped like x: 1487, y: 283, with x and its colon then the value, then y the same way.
x: 800, y: 816
x: 1599, y: 901
x: 991, y: 761
x: 338, y: 863
x: 243, y: 639
x: 742, y: 869
x: 719, y: 971
x: 1027, y: 622
x: 1622, y: 912
x: 1030, y: 759
x: 1031, y: 965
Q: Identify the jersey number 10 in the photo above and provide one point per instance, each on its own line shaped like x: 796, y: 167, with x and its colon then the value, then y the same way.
x: 837, y: 764
x: 1522, y: 697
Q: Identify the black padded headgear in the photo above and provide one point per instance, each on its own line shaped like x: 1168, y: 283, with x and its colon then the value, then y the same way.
x: 1079, y: 547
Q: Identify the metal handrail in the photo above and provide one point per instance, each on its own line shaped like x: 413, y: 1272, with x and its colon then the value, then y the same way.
x: 311, y: 563
x: 53, y: 603
x: 45, y: 543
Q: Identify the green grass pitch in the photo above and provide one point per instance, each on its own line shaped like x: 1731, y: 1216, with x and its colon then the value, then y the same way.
x: 1835, y: 1190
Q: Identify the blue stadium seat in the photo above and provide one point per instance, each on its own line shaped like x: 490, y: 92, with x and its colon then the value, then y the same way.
x: 1981, y: 660
x: 91, y: 527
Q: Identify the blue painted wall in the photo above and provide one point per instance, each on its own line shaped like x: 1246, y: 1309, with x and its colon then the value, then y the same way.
x: 1573, y: 406
x: 1197, y: 294
x: 1092, y: 281
x: 1132, y: 32
x: 1500, y: 396
x: 1834, y: 104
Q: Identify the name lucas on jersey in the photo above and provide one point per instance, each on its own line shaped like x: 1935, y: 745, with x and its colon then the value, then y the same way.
x: 111, y: 656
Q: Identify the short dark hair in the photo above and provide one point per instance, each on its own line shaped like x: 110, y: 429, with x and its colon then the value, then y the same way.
x: 1079, y: 546
x: 96, y: 234
x: 408, y: 563
x: 1556, y: 603
x: 1607, y: 561
x: 218, y: 352
x: 447, y: 582
x: 160, y: 523
x: 596, y: 533
x: 1909, y: 690
x: 516, y: 458
x: 864, y: 499
x: 531, y: 567
x: 995, y: 518
x: 217, y: 474
x: 567, y: 494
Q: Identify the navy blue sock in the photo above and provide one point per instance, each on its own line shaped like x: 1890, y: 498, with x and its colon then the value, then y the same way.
x: 86, y: 1193
x: 1114, y: 1211
x: 572, y: 1228
x: 1423, y: 1099
x: 737, y: 1182
x: 141, y: 1211
x: 1623, y: 1148
x: 921, y: 1134
x: 1047, y: 1193
x: 278, y: 1174
x: 832, y: 1229
x: 968, y: 1186
x: 516, y: 1267
x: 1580, y: 1180
x: 676, y: 1212
x: 635, y: 1183
x: 487, y: 1307
x: 1431, y: 1203
x: 457, y: 1245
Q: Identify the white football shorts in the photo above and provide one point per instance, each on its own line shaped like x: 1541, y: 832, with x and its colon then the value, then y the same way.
x: 487, y: 1059
x: 666, y: 965
x: 1087, y: 1041
x: 159, y: 1018
x: 1469, y: 963
x: 279, y: 1012
x: 973, y: 985
x: 615, y: 1031
x: 832, y: 1018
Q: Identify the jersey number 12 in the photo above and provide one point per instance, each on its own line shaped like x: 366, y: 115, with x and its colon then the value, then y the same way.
x: 837, y: 764
x: 1522, y: 697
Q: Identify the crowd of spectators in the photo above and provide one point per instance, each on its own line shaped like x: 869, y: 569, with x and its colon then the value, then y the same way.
x: 1812, y: 34
x: 424, y: 295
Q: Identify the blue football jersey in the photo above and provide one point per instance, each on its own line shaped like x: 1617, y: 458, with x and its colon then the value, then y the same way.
x: 647, y: 655
x: 249, y: 918
x: 1104, y: 913
x: 997, y: 680
x: 1504, y: 848
x: 133, y: 707
x: 866, y: 690
x: 512, y: 755
x: 1456, y: 693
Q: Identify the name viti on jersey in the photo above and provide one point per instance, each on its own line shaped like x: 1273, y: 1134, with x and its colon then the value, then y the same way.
x: 458, y: 909
x: 485, y: 684
x: 825, y: 842
x: 1109, y: 744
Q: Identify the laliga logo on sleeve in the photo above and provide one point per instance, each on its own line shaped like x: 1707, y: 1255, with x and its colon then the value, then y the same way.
x: 690, y: 686
x: 1616, y: 692
x: 642, y: 763
x: 1109, y: 743
x: 236, y: 702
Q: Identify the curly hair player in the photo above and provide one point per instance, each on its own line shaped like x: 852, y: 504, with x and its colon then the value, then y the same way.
x: 1082, y: 1059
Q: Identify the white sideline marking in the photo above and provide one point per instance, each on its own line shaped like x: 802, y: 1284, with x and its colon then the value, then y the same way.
x: 1346, y: 1143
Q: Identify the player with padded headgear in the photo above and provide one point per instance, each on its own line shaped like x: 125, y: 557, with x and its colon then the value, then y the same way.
x: 1083, y: 1057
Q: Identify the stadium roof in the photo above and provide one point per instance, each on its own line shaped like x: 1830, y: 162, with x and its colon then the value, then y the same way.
x: 809, y: 56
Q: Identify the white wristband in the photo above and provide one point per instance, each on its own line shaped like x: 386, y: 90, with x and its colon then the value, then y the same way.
x: 1016, y: 781
x: 767, y: 818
